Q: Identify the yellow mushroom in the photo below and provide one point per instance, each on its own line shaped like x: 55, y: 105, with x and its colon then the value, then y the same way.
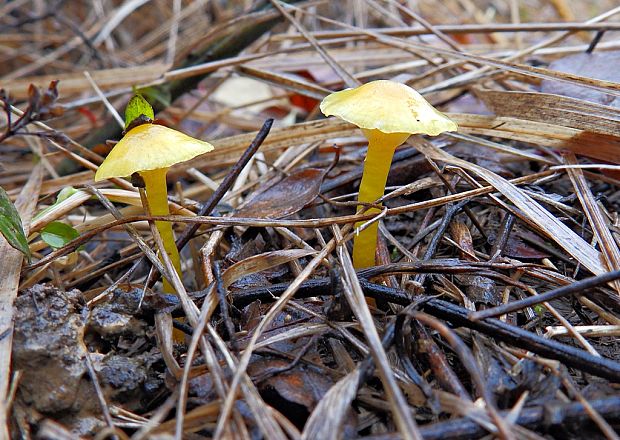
x: 149, y: 150
x: 387, y: 113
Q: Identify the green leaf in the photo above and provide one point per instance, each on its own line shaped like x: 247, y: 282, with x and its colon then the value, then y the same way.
x: 63, y: 195
x: 57, y: 234
x: 540, y: 310
x: 136, y: 107
x: 11, y: 225
x: 157, y: 94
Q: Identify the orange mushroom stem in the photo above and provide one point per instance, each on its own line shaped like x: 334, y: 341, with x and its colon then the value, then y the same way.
x: 388, y: 113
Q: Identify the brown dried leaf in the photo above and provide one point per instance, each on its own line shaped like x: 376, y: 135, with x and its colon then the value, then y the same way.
x: 597, y: 145
x: 478, y: 289
x: 517, y: 248
x: 603, y: 65
x: 300, y: 386
x: 460, y: 233
x: 286, y: 197
x: 329, y: 417
x: 261, y: 262
x: 43, y: 106
x: 553, y: 109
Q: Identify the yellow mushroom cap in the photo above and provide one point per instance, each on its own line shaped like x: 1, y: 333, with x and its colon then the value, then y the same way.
x: 387, y: 106
x: 149, y: 147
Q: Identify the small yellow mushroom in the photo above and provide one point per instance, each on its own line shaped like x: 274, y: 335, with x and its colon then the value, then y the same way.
x: 150, y: 150
x: 387, y: 113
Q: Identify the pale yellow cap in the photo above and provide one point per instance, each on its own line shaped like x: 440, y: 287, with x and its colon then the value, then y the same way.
x: 149, y: 147
x: 387, y: 106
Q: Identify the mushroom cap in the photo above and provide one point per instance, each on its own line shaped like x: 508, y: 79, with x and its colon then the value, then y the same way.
x: 149, y: 147
x: 387, y: 106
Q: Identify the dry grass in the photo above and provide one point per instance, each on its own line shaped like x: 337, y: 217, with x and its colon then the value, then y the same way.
x: 522, y: 200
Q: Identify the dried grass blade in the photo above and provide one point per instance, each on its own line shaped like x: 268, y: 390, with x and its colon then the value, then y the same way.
x: 301, y: 330
x: 329, y: 415
x: 9, y: 282
x: 352, y: 290
x: 552, y: 109
x: 78, y: 198
x: 595, y: 217
x: 229, y: 148
x: 295, y: 85
x: 265, y: 322
x: 349, y: 79
x: 523, y: 69
x: 533, y: 213
x: 539, y: 133
x: 74, y: 83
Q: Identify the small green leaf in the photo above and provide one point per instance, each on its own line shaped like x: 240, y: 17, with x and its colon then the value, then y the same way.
x: 63, y: 195
x: 540, y: 310
x: 157, y: 94
x: 11, y: 225
x: 136, y: 107
x: 57, y: 234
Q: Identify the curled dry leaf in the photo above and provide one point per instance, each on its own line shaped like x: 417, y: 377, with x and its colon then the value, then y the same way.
x: 261, y: 262
x: 329, y: 417
x: 548, y: 108
x: 296, y: 391
x: 43, y: 106
x: 517, y: 248
x: 603, y: 66
x: 460, y: 234
x: 286, y: 197
x: 478, y: 289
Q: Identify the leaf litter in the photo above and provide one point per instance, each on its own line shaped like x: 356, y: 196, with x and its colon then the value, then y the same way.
x: 280, y: 341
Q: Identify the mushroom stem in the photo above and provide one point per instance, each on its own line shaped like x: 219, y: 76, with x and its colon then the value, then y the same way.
x: 381, y: 147
x: 157, y: 196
